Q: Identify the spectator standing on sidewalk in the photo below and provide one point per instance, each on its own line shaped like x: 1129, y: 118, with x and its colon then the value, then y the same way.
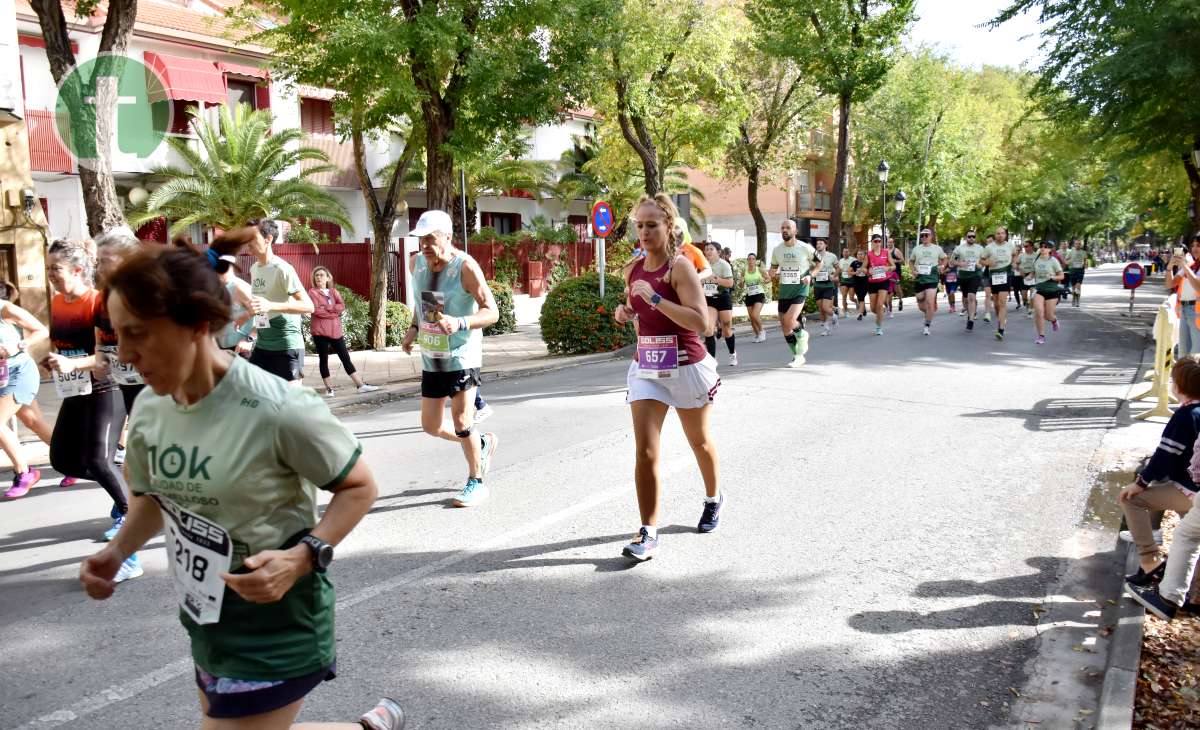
x: 1182, y: 279
x: 327, y: 332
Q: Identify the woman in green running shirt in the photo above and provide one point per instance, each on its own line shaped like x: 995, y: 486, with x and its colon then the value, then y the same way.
x: 1047, y: 273
x: 227, y: 458
x: 756, y: 296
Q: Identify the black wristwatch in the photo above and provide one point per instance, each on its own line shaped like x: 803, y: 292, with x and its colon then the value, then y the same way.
x: 322, y: 552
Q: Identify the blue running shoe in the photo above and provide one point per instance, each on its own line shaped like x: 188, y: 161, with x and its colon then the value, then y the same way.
x: 113, y: 513
x: 111, y: 532
x: 642, y: 548
x: 474, y: 493
x: 711, y: 517
x: 131, y: 568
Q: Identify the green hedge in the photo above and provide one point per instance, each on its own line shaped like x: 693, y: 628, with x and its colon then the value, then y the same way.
x: 356, y: 318
x: 574, y: 320
x: 504, y: 302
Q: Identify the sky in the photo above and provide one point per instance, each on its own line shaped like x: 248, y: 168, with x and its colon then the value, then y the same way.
x: 950, y: 25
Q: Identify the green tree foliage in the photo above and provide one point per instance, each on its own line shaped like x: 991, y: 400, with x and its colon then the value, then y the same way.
x: 240, y: 175
x: 1125, y: 72
x: 665, y: 82
x: 845, y: 47
x: 782, y: 106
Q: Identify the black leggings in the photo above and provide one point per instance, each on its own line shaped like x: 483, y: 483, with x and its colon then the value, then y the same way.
x: 85, y: 439
x: 324, y: 344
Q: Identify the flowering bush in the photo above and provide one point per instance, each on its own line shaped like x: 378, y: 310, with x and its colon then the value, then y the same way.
x: 575, y: 320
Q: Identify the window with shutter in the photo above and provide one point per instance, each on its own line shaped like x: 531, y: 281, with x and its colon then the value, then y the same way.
x: 316, y: 116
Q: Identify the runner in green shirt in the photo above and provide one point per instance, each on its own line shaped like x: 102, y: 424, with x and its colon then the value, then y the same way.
x: 999, y: 257
x: 966, y: 257
x: 1077, y: 262
x: 929, y: 261
x: 825, y: 286
x: 279, y: 300
x: 846, y: 280
x: 1025, y: 275
x: 756, y: 296
x: 1047, y: 273
x: 228, y: 459
x: 718, y: 295
x: 792, y: 266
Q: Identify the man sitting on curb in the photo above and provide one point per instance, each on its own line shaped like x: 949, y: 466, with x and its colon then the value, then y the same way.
x: 1168, y: 481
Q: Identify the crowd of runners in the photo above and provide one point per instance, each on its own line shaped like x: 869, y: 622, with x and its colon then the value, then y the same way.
x: 148, y: 343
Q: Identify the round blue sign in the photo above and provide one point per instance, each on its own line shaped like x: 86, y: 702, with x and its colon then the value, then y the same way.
x: 602, y: 219
x: 1133, y: 275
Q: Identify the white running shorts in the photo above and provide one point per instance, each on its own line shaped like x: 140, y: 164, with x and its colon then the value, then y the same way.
x: 693, y: 387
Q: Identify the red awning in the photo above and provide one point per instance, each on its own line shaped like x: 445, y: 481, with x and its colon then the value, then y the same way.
x: 188, y: 79
x: 249, y: 72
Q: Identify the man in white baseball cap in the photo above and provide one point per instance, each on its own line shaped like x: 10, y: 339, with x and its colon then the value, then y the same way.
x: 453, y: 306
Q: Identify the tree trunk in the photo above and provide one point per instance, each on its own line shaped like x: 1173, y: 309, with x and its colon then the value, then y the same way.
x: 382, y: 246
x: 760, y: 223
x: 100, y: 202
x: 1194, y: 184
x: 439, y: 163
x: 839, y: 180
x: 933, y: 220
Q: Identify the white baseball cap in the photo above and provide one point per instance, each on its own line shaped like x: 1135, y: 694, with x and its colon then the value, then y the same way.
x: 432, y: 221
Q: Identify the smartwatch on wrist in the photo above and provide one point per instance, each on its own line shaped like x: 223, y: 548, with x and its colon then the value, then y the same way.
x: 463, y: 324
x: 655, y: 298
x: 1141, y: 482
x: 322, y: 552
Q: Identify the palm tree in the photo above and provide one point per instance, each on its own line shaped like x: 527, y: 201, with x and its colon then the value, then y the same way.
x: 238, y: 174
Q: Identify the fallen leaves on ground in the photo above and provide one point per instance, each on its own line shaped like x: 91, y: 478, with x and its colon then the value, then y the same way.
x: 1168, y: 688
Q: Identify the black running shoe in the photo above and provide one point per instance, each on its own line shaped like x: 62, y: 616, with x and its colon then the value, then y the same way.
x: 710, y: 519
x: 1149, y: 597
x: 970, y: 325
x: 1152, y: 578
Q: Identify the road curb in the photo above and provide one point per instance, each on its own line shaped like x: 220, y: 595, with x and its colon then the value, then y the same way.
x: 1124, y: 657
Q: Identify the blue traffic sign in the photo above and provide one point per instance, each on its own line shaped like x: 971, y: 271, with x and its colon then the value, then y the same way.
x: 602, y: 219
x: 1133, y: 275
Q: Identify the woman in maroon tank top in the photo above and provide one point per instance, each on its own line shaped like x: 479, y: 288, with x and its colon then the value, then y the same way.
x: 665, y: 302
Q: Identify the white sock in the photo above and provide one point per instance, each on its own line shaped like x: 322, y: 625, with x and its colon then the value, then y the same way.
x: 651, y: 530
x: 713, y: 500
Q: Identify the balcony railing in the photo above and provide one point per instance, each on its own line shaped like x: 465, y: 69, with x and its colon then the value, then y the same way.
x: 47, y: 153
x: 812, y: 201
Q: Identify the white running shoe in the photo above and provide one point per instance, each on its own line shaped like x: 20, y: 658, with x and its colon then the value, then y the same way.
x: 1127, y: 536
x: 891, y: 314
x: 824, y: 330
x: 797, y: 361
x: 926, y: 332
x: 761, y: 337
x: 733, y: 359
x: 364, y: 388
x: 484, y: 413
x: 130, y: 568
x: 835, y: 321
x: 987, y: 316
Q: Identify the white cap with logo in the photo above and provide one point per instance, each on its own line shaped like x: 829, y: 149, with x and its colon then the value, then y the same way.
x: 432, y: 221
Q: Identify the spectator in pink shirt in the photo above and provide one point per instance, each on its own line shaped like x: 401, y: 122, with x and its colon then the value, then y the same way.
x: 327, y: 330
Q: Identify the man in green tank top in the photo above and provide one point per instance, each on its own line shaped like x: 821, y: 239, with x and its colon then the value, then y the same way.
x: 453, y: 306
x: 929, y: 261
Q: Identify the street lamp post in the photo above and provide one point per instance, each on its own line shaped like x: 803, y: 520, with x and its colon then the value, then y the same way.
x: 883, y: 176
x: 901, y: 198
x: 1029, y: 229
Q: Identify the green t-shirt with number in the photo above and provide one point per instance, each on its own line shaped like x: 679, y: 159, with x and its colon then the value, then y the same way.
x: 968, y: 255
x: 847, y: 274
x: 927, y: 257
x: 999, y: 256
x: 1077, y: 258
x: 827, y: 276
x: 277, y: 282
x: 1025, y: 263
x: 794, y: 263
x: 1044, y: 271
x: 249, y: 456
x: 755, y: 281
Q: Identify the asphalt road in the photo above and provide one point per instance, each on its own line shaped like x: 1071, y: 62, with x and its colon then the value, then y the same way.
x: 897, y: 510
